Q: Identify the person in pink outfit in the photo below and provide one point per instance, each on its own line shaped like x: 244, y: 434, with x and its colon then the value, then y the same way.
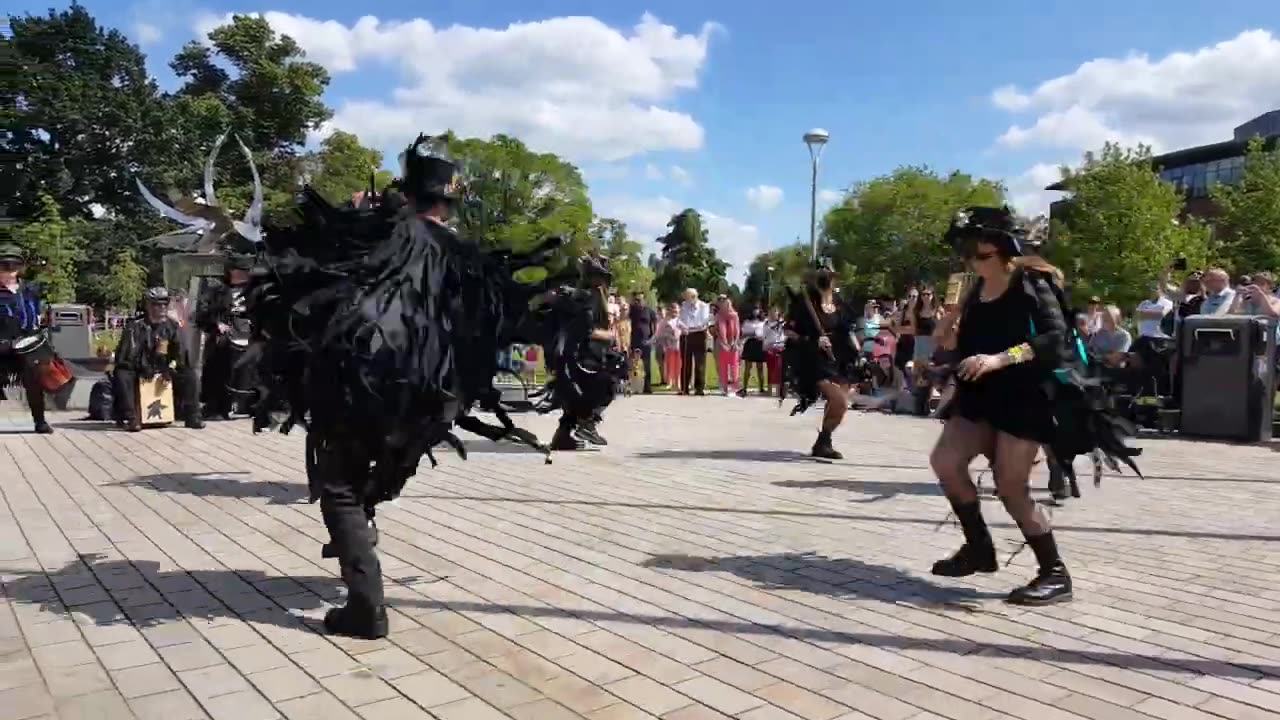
x: 666, y: 340
x: 729, y: 358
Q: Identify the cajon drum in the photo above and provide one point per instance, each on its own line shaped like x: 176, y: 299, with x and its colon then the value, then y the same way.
x: 155, y: 401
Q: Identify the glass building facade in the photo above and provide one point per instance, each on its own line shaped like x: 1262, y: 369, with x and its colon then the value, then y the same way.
x: 1197, y: 178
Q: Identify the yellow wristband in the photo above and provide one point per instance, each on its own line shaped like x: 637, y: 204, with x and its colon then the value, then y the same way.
x: 1016, y: 354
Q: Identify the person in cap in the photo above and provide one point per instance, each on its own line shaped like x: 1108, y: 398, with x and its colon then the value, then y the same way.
x: 821, y: 355
x: 19, y: 317
x: 222, y: 315
x: 153, y: 344
x: 1022, y: 383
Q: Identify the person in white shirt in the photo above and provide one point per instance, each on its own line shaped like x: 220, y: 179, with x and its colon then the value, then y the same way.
x: 753, y: 350
x: 1218, y: 295
x: 695, y: 317
x: 1151, y: 313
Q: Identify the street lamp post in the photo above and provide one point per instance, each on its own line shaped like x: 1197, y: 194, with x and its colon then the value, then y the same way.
x: 815, y: 139
x: 768, y: 289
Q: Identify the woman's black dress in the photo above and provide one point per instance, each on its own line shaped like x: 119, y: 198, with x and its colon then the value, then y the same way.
x: 1012, y: 400
x: 807, y: 365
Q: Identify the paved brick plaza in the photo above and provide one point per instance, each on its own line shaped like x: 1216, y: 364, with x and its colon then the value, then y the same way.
x: 698, y: 568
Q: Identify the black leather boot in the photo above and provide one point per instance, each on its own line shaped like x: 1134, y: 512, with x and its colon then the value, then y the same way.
x: 587, y: 433
x: 1052, y: 584
x: 822, y: 448
x: 978, y: 554
x: 329, y: 551
x: 357, y: 622
x: 563, y: 441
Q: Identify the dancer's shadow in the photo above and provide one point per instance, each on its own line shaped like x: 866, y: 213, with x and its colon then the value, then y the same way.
x: 158, y: 596
x: 811, y: 572
x: 875, y: 490
x: 774, y: 456
x: 222, y: 484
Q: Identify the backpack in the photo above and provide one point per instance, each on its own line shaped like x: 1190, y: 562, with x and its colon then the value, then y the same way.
x: 102, y: 401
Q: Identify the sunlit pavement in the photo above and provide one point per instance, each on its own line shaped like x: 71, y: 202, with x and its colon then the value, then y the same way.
x: 700, y: 566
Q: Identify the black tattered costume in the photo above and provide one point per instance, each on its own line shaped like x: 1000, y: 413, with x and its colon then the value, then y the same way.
x: 379, y: 329
x: 19, y: 328
x: 1035, y: 385
x: 223, y: 318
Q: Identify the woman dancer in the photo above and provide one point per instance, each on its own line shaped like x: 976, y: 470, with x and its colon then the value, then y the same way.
x: 1020, y: 384
x: 820, y: 354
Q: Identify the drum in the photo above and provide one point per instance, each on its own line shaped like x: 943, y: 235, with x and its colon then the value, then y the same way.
x: 36, y: 353
x: 155, y: 401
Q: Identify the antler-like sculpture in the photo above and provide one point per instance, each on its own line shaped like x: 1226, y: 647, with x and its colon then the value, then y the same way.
x: 209, y: 218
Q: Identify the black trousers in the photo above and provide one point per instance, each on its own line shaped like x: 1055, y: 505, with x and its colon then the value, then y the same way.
x: 343, y: 474
x: 693, y: 366
x: 125, y: 385
x: 215, y: 373
x: 29, y: 377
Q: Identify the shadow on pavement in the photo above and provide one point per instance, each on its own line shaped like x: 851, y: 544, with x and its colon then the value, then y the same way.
x: 810, y: 572
x: 819, y: 515
x: 775, y: 456
x: 221, y: 484
x: 156, y: 596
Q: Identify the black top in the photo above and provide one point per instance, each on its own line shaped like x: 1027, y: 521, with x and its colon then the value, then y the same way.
x: 643, y: 322
x: 148, y: 348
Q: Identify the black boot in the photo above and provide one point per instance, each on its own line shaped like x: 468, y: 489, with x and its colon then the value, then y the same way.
x: 1052, y: 583
x: 356, y: 622
x: 822, y: 448
x: 43, y: 427
x: 329, y: 550
x: 587, y: 433
x: 978, y: 554
x: 563, y: 441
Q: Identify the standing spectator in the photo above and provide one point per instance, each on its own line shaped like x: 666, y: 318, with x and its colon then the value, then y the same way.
x: 729, y: 333
x: 1218, y: 295
x: 667, y: 341
x: 904, y: 329
x: 753, y: 351
x: 622, y: 329
x: 775, y: 341
x: 695, y: 317
x: 924, y: 316
x: 1151, y: 313
x: 1190, y: 297
x: 867, y: 328
x: 1256, y: 297
x: 644, y: 323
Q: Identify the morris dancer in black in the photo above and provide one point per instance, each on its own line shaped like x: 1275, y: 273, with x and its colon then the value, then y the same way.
x: 379, y: 329
x: 19, y: 318
x: 1021, y: 384
x: 820, y: 355
x: 222, y: 316
x: 579, y: 350
x: 153, y: 345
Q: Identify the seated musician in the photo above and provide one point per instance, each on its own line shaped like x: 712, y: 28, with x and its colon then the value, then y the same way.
x: 153, y: 345
x: 19, y: 317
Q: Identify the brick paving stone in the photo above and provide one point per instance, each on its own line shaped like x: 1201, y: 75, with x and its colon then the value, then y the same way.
x: 695, y: 568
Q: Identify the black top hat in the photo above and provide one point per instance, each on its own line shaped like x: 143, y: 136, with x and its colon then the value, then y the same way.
x: 427, y: 174
x: 997, y: 226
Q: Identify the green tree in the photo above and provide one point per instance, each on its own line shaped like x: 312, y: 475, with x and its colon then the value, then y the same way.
x: 1121, y: 229
x: 887, y: 234
x: 630, y: 273
x: 688, y: 260
x: 81, y: 111
x: 789, y: 265
x: 126, y: 282
x: 516, y: 198
x: 1250, y: 220
x: 342, y: 167
x: 53, y: 246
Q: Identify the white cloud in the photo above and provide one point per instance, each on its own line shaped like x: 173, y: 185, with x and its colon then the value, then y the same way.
x: 146, y: 33
x: 570, y: 85
x: 736, y: 242
x: 1179, y: 100
x: 680, y: 175
x: 829, y: 197
x: 653, y: 172
x: 764, y: 197
x: 1027, y: 192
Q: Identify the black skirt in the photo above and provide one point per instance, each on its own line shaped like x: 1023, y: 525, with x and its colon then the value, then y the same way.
x: 753, y: 350
x: 1013, y: 401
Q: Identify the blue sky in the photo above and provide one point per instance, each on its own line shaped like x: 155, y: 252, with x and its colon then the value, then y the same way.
x: 726, y: 104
